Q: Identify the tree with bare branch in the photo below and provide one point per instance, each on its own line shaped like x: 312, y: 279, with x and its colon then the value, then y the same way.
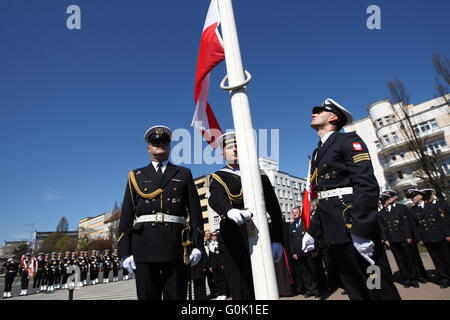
x: 427, y: 166
x: 442, y: 67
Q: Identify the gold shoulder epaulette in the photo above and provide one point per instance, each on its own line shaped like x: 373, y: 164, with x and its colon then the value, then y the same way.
x: 231, y: 197
x: 120, y: 237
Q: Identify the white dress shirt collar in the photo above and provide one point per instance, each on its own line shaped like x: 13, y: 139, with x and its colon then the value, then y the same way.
x: 326, y: 136
x: 164, y: 165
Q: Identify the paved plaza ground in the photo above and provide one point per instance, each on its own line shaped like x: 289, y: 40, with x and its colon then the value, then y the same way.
x: 126, y: 290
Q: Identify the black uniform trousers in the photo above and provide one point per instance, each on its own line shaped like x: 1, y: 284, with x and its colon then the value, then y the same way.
x: 24, y: 280
x: 84, y: 273
x: 115, y: 270
x: 38, y: 279
x: 236, y: 261
x: 106, y: 272
x: 220, y: 282
x: 199, y: 289
x: 211, y: 284
x: 350, y: 265
x: 333, y: 281
x: 439, y: 253
x: 403, y: 256
x: 65, y: 275
x: 312, y: 273
x: 167, y: 279
x: 57, y: 277
x: 419, y: 268
x: 50, y: 278
x: 9, y: 279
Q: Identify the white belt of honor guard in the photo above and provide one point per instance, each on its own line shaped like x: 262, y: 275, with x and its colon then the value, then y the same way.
x: 338, y: 192
x: 160, y: 217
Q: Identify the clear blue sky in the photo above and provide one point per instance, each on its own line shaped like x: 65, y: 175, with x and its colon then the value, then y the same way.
x: 75, y: 104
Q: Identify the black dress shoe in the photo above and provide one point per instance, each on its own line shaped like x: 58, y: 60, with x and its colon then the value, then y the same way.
x: 444, y: 284
x: 422, y: 280
x: 308, y: 294
x: 415, y: 284
x: 406, y: 284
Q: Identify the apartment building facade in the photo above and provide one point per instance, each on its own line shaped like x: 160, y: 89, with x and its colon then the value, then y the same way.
x: 383, y: 131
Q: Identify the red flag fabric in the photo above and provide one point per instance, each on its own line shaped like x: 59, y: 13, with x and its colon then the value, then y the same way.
x: 309, y: 195
x: 210, y: 54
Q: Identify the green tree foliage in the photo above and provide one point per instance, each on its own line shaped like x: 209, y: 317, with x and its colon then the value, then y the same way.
x: 66, y: 243
x: 100, y: 244
x: 21, y: 249
x: 49, y: 244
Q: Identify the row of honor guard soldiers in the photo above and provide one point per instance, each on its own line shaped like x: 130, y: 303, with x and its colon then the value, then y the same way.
x: 426, y: 223
x: 50, y: 271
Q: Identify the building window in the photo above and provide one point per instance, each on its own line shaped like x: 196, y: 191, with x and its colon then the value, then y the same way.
x: 400, y: 175
x: 433, y: 123
x: 401, y: 153
x: 377, y: 144
x: 394, y: 136
x: 425, y: 126
x: 386, y: 139
x: 435, y: 145
x: 387, y: 119
x: 391, y: 179
x: 393, y: 157
x: 379, y: 122
x: 446, y: 165
x: 278, y: 180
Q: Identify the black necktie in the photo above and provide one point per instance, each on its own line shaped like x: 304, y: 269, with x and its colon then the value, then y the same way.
x: 319, y: 144
x: 159, y: 172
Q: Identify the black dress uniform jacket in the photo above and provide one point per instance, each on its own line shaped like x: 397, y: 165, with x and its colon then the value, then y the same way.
x: 394, y: 224
x: 233, y: 239
x: 343, y: 161
x: 220, y: 203
x: 295, y: 239
x: 429, y: 224
x: 159, y: 242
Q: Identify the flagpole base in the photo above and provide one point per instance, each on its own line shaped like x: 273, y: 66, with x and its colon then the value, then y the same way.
x: 237, y: 86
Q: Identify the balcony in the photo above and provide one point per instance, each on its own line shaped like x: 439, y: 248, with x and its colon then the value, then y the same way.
x: 432, y: 133
x: 396, y: 164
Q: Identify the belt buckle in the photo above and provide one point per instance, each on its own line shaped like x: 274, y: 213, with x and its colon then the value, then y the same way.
x: 159, y: 217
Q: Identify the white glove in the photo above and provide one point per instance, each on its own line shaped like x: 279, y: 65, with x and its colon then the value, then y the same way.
x: 277, y: 251
x: 129, y: 264
x: 239, y: 216
x: 195, y: 256
x: 364, y: 246
x: 307, y: 243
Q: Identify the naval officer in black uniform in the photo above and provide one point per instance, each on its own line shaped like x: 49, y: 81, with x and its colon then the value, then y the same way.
x: 158, y: 199
x: 226, y: 198
x: 346, y: 213
x: 432, y: 229
x: 396, y: 234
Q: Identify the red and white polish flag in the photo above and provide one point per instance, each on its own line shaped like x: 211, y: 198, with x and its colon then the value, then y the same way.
x: 309, y: 195
x: 210, y: 54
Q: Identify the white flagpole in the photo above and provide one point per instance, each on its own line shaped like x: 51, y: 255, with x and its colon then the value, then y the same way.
x: 263, y: 268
